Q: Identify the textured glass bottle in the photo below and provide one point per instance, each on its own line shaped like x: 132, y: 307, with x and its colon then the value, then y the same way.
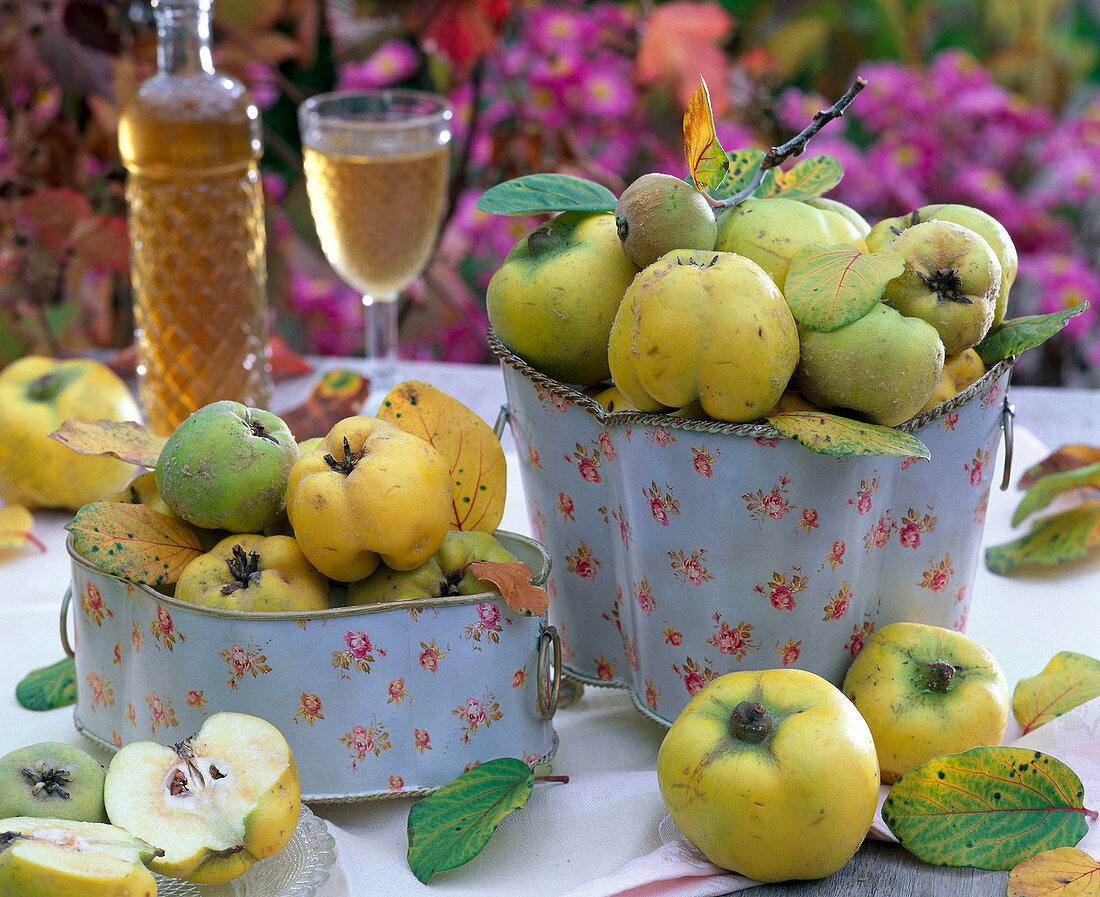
x: 191, y: 143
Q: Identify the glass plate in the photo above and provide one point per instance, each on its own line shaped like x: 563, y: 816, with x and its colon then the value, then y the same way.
x: 298, y: 870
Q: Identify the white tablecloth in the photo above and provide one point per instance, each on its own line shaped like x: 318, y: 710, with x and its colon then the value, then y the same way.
x: 609, y: 812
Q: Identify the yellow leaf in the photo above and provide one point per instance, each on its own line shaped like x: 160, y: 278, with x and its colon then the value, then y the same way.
x: 468, y: 446
x: 126, y: 440
x: 16, y: 523
x: 1063, y: 872
x: 513, y: 578
x: 1067, y: 681
x: 707, y: 161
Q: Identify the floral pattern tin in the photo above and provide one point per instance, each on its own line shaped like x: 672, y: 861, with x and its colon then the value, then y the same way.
x: 687, y: 549
x: 373, y: 701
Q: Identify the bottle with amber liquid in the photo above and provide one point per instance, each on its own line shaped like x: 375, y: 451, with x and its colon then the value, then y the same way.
x: 190, y: 139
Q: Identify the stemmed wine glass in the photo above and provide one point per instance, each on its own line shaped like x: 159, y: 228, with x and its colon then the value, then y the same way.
x: 377, y: 164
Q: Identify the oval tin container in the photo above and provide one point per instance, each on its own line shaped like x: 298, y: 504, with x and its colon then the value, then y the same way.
x: 393, y: 698
x: 687, y: 549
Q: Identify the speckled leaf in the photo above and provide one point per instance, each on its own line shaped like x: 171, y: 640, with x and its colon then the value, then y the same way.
x: 533, y: 194
x: 125, y: 440
x: 743, y: 165
x: 707, y: 161
x: 134, y: 542
x: 1067, y: 681
x: 513, y: 578
x: 451, y: 826
x: 1068, y: 457
x: 468, y: 445
x: 832, y: 434
x: 807, y: 179
x: 1056, y: 539
x: 1048, y: 488
x: 48, y: 687
x: 1018, y: 334
x: 989, y: 807
x: 830, y: 286
x: 16, y: 523
x: 1062, y: 872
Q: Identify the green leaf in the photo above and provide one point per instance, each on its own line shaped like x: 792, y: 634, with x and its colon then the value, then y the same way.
x: 134, y: 542
x: 989, y: 807
x: 1018, y: 334
x: 534, y: 194
x: 1044, y: 490
x: 450, y: 827
x: 831, y: 434
x: 707, y: 161
x: 1052, y: 540
x: 807, y: 179
x: 48, y: 687
x: 743, y: 166
x: 830, y: 286
x: 1067, y: 681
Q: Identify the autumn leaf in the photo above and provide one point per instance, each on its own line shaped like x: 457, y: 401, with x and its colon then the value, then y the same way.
x: 833, y: 434
x: 460, y: 31
x: 134, y: 542
x: 16, y: 523
x: 338, y: 394
x: 468, y: 445
x: 513, y: 578
x: 989, y: 807
x: 807, y: 179
x: 707, y: 161
x: 1068, y: 457
x: 1062, y: 872
x: 1067, y: 681
x: 126, y: 440
x: 1046, y: 489
x: 743, y: 166
x: 1052, y: 540
x: 830, y: 286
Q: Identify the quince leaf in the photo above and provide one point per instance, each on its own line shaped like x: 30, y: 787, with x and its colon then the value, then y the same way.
x: 1052, y: 540
x: 513, y: 578
x: 831, y: 434
x: 533, y: 194
x: 1068, y: 457
x: 16, y: 523
x: 451, y: 826
x: 830, y: 286
x: 1018, y: 334
x: 468, y: 445
x: 126, y: 440
x: 743, y: 165
x: 48, y: 687
x: 1062, y: 872
x: 989, y: 807
x: 134, y: 542
x: 1044, y: 490
x: 707, y: 161
x: 338, y: 394
x: 807, y: 179
x: 1067, y: 681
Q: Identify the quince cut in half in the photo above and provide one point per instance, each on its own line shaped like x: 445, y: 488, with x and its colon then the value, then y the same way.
x: 66, y: 858
x: 215, y: 803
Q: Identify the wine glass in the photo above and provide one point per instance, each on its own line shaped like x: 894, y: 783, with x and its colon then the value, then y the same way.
x: 377, y: 164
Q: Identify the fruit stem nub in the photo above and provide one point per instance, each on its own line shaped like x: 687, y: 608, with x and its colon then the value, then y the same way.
x: 750, y: 722
x: 940, y: 674
x: 347, y: 465
x: 44, y: 387
x: 258, y: 429
x: 245, y: 569
x: 542, y: 239
x: 945, y: 283
x: 48, y: 780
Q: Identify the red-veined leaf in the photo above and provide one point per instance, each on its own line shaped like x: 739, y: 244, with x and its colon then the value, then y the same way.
x: 833, y: 434
x: 707, y: 161
x: 1067, y: 681
x: 807, y: 179
x: 513, y: 578
x: 1062, y: 872
x: 468, y: 446
x: 134, y: 542
x: 16, y: 523
x: 1056, y: 539
x: 126, y: 440
x: 989, y: 807
x: 830, y: 286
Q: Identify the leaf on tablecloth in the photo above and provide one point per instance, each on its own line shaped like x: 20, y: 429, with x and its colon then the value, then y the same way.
x: 1056, y: 539
x: 451, y: 826
x: 134, y: 542
x: 468, y: 445
x: 831, y: 434
x: 1068, y: 457
x: 1080, y: 482
x: 1067, y: 681
x: 513, y: 578
x: 989, y: 807
x: 16, y: 523
x: 126, y: 440
x: 338, y: 394
x: 48, y: 687
x: 1062, y: 872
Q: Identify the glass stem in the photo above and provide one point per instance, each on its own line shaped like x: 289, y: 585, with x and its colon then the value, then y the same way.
x: 380, y: 318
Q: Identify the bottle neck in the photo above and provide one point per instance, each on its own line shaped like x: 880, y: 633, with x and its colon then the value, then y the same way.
x: 183, y: 36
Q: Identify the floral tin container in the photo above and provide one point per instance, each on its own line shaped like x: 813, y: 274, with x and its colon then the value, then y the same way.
x: 374, y: 701
x: 686, y: 549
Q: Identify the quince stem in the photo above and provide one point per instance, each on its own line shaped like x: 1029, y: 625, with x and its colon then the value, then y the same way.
x: 750, y: 722
x: 347, y: 465
x: 940, y: 674
x: 244, y: 568
x: 44, y: 387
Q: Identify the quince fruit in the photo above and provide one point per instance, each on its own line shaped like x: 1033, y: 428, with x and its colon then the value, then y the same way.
x: 52, y: 780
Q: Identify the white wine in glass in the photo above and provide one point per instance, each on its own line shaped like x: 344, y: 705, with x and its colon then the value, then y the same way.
x: 377, y: 166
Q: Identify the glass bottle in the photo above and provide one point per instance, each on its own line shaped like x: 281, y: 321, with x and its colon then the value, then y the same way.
x: 191, y: 143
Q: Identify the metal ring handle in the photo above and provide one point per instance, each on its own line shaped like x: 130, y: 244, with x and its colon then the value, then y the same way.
x: 1008, y: 415
x: 503, y: 416
x: 64, y: 620
x: 548, y: 703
